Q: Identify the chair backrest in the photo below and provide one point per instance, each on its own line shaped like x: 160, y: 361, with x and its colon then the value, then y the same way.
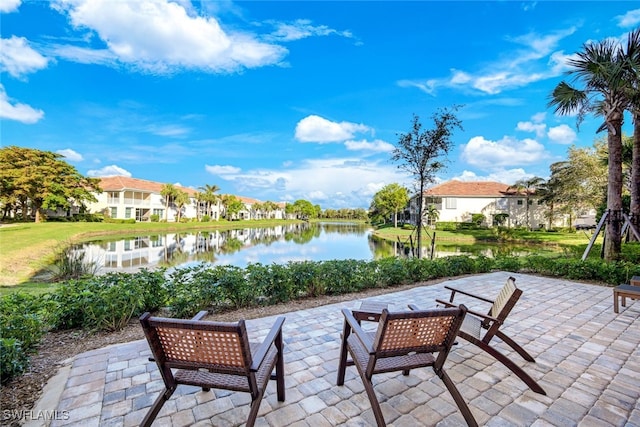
x: 196, y: 344
x: 424, y: 331
x: 506, y: 299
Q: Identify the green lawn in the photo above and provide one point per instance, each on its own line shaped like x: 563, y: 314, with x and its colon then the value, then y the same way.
x: 26, y: 248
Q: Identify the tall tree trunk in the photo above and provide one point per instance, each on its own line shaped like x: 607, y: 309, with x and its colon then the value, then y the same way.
x: 635, y: 175
x: 419, y: 219
x: 613, y: 240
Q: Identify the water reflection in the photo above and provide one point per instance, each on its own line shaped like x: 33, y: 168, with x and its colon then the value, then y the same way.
x: 279, y: 244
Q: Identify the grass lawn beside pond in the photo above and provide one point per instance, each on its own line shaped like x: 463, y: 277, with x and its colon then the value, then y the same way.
x: 26, y: 248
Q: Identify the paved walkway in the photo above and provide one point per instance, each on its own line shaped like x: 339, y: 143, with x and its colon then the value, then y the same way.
x: 588, y: 361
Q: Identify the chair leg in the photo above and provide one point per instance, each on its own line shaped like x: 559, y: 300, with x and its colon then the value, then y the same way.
x: 157, y: 405
x: 457, y: 397
x: 533, y: 385
x: 373, y: 399
x: 342, y: 366
x: 511, y: 343
x: 280, y: 369
x: 255, y: 406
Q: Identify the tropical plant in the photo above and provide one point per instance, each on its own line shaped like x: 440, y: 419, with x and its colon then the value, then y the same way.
x: 420, y: 153
x: 527, y: 187
x: 41, y: 180
x: 210, y: 197
x: 168, y: 191
x: 600, y: 67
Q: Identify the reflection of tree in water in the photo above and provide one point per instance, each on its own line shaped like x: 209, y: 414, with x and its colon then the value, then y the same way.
x: 230, y: 246
x: 381, y: 248
x: 343, y: 228
x: 304, y: 233
x: 174, y: 251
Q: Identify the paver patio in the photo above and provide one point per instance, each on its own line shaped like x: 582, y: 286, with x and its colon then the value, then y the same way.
x: 588, y: 361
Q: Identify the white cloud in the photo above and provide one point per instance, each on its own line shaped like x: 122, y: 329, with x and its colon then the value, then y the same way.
x: 562, y: 134
x: 629, y: 19
x: 377, y: 146
x: 162, y: 36
x: 317, y: 129
x: 222, y: 170
x: 508, y: 151
x: 523, y: 66
x: 18, y: 58
x: 8, y: 6
x: 71, y: 155
x: 303, y: 28
x: 168, y: 130
x: 506, y: 176
x: 333, y: 183
x: 535, y: 125
x: 16, y: 111
x: 112, y: 170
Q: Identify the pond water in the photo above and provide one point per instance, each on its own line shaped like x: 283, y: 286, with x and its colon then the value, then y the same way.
x: 240, y: 247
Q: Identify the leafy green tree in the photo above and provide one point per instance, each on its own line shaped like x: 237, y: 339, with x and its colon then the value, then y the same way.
x: 390, y: 199
x: 528, y: 187
x: 42, y: 180
x: 303, y: 209
x: 232, y: 205
x: 269, y: 207
x: 421, y: 152
x: 600, y: 67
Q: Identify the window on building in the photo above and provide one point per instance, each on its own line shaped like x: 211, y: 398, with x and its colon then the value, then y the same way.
x: 520, y: 203
x: 114, y: 212
x: 127, y: 213
x: 451, y: 203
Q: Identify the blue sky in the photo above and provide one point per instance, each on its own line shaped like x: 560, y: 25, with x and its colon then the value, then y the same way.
x: 292, y: 100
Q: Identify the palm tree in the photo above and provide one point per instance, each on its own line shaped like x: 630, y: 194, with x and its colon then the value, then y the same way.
x: 528, y: 187
x: 633, y: 77
x: 210, y: 197
x: 432, y: 214
x: 168, y: 191
x: 600, y: 68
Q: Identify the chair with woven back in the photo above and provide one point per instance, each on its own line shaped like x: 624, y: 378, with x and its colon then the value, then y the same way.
x: 214, y: 355
x: 403, y: 341
x: 475, y: 323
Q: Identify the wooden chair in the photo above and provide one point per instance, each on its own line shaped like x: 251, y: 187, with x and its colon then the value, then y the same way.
x: 403, y: 341
x: 213, y: 355
x: 475, y: 323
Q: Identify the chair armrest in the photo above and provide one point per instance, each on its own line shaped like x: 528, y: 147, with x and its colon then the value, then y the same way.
x: 475, y: 313
x: 261, y: 353
x: 200, y: 315
x: 454, y: 290
x: 357, y: 329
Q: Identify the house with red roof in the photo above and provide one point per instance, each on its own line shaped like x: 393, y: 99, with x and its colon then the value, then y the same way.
x: 124, y: 197
x: 457, y: 201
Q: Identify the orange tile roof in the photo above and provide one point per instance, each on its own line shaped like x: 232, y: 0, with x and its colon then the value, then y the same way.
x: 469, y: 189
x: 118, y: 183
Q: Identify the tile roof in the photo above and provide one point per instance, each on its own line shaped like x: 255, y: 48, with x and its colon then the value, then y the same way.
x: 469, y: 189
x: 118, y: 183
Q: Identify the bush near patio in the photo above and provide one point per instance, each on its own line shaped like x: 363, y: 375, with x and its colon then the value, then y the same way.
x: 109, y: 302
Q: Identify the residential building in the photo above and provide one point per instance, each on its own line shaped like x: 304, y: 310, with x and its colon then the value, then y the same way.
x: 125, y: 198
x: 457, y: 201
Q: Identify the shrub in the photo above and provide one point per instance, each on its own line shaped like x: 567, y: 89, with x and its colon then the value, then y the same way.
x: 193, y: 289
x: 446, y: 226
x: 205, y: 218
x: 154, y: 218
x: 23, y: 321
x: 105, y: 302
x: 305, y: 278
x: 13, y: 359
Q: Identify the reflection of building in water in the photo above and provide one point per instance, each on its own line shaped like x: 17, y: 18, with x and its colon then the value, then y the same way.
x: 131, y: 255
